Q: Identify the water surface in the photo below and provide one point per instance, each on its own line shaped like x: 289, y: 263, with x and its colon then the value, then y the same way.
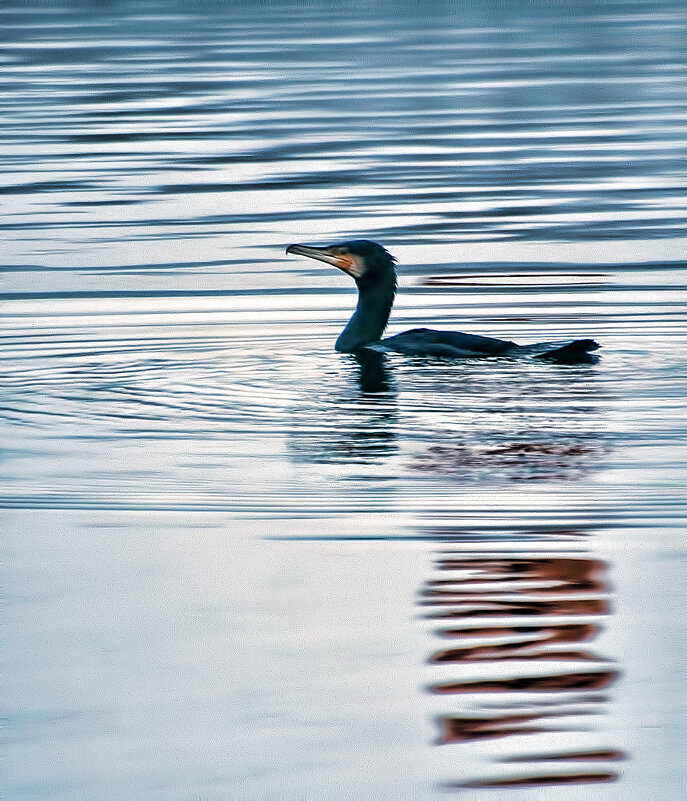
x: 240, y: 565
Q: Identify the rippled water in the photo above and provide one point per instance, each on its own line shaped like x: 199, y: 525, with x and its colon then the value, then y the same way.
x: 242, y: 566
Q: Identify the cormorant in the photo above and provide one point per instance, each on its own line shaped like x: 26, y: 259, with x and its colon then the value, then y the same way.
x: 372, y: 268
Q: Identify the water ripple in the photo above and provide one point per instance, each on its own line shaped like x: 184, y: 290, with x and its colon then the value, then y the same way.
x: 164, y: 360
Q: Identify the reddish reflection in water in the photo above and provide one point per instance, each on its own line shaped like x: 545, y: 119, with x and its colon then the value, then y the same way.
x: 460, y: 729
x: 496, y: 608
x: 580, y: 756
x: 549, y: 610
x: 543, y: 781
x: 564, y: 572
x: 560, y: 683
x: 532, y: 638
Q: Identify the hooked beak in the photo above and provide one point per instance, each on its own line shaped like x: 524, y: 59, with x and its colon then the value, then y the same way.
x: 344, y: 261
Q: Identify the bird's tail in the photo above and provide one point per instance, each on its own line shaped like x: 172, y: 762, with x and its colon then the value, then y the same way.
x: 575, y: 352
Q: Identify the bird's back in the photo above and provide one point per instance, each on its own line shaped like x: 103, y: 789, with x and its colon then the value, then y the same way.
x: 428, y: 342
x: 457, y: 345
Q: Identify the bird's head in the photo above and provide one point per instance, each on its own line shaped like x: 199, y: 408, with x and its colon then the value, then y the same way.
x: 367, y: 262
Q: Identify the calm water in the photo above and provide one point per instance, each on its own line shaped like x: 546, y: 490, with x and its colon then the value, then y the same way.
x: 242, y: 566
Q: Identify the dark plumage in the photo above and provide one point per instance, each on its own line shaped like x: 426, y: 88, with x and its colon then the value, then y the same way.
x: 373, y: 269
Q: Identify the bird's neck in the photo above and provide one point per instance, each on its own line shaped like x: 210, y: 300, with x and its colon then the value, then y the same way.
x: 370, y: 318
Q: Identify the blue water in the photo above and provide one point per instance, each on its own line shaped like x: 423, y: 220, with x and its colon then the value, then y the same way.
x: 239, y: 565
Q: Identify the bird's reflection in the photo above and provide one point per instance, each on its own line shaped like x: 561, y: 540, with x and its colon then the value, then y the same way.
x: 373, y: 376
x: 519, y: 662
x: 462, y: 420
x: 355, y: 420
x: 517, y: 667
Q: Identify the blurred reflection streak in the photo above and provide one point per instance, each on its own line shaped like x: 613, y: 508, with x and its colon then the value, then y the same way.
x: 580, y: 756
x: 569, y: 681
x: 357, y: 423
x: 544, y: 780
x: 544, y: 635
x: 521, y: 589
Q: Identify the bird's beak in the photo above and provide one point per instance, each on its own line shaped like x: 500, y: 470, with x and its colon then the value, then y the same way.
x: 344, y: 261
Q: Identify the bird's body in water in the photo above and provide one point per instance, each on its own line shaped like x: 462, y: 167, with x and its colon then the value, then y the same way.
x: 374, y: 272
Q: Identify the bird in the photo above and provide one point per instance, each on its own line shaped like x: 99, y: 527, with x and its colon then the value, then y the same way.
x: 373, y: 269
